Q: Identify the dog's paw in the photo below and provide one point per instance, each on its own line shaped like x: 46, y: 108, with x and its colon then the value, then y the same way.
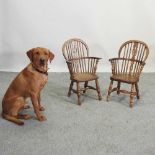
x: 26, y: 106
x: 41, y: 108
x: 23, y: 116
x: 42, y: 118
x: 20, y: 123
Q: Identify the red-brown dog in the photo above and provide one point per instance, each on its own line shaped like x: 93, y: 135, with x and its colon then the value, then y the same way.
x: 28, y: 83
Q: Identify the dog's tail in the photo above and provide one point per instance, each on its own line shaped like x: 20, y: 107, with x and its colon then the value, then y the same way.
x: 12, y: 119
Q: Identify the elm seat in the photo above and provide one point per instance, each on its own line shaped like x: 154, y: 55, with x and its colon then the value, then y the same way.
x: 125, y: 78
x: 82, y: 68
x: 83, y: 77
x: 127, y: 67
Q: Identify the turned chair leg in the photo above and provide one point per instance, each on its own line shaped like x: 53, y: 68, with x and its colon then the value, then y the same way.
x: 85, y: 86
x: 78, y: 93
x: 132, y: 95
x: 118, y: 87
x: 109, y: 90
x: 137, y: 90
x: 70, y: 88
x: 98, y: 89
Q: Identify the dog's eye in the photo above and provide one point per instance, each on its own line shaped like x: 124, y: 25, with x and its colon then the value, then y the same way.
x: 37, y: 53
x: 45, y: 53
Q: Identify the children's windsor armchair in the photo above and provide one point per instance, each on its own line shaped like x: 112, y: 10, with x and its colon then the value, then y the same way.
x: 82, y: 68
x: 128, y: 67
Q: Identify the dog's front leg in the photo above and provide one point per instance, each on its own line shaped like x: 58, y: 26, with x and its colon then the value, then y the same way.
x: 41, y: 108
x: 34, y: 99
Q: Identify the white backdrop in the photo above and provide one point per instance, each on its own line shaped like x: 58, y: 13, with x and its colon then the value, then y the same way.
x: 103, y: 24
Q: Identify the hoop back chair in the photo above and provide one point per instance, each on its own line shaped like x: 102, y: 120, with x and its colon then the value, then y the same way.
x: 82, y: 68
x: 128, y: 67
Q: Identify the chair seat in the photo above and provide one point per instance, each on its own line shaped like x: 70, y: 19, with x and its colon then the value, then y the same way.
x: 125, y: 78
x: 82, y: 77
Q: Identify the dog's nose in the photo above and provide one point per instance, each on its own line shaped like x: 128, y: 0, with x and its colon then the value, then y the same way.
x: 42, y: 61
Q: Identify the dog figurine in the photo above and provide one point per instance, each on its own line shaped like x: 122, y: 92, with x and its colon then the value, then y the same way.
x: 28, y: 83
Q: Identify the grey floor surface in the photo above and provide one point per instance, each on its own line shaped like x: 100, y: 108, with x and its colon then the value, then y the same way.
x: 94, y: 128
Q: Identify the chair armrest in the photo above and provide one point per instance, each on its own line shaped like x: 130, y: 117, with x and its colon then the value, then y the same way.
x: 113, y: 59
x: 94, y: 58
x: 126, y: 59
x: 69, y: 61
x: 74, y: 59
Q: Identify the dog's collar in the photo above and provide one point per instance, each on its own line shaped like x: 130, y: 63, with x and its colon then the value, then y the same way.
x: 46, y: 73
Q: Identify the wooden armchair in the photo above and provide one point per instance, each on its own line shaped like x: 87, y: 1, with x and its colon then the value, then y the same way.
x: 82, y: 68
x: 128, y: 67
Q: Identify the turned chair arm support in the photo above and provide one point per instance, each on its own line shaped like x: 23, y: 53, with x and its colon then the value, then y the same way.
x: 126, y: 66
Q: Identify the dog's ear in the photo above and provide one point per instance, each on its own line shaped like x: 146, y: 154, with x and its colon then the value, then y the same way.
x: 51, y: 56
x: 30, y: 54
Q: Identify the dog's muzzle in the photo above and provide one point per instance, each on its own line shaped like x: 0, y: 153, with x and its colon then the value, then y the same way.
x: 42, y: 61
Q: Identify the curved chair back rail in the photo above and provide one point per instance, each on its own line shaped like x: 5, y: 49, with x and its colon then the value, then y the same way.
x: 134, y: 49
x: 75, y: 48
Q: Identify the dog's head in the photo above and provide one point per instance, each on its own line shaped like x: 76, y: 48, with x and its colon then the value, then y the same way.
x: 39, y: 57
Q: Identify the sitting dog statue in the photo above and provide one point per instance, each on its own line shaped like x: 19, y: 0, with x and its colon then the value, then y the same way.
x: 28, y: 83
